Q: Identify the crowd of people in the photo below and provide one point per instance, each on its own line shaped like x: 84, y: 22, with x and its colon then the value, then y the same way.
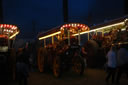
x: 117, y: 63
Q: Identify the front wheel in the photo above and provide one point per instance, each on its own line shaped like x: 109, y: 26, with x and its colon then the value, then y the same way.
x: 78, y: 65
x: 57, y: 66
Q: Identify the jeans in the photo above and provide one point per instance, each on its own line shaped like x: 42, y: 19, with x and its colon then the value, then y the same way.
x: 111, y: 73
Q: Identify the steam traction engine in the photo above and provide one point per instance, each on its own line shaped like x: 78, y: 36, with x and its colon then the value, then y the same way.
x: 7, y: 53
x: 64, y: 53
x: 101, y: 37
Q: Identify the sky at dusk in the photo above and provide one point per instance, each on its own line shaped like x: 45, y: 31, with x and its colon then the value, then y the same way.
x: 45, y: 14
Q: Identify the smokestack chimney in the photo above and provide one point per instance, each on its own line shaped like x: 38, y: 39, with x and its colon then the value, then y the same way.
x: 65, y: 10
x: 1, y: 11
x: 126, y: 7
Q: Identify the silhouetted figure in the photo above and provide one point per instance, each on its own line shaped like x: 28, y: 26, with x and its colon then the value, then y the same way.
x: 84, y: 55
x: 122, y: 62
x: 22, y: 67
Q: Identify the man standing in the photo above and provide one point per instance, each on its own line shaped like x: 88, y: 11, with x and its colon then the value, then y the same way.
x: 22, y: 68
x: 122, y: 61
x: 111, y: 64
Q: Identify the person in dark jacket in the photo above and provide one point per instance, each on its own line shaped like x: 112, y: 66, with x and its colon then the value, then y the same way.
x: 22, y: 68
x: 122, y: 62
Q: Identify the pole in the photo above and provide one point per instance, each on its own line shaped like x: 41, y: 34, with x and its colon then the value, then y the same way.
x: 103, y: 33
x: 61, y: 37
x: 88, y: 36
x: 52, y: 39
x: 8, y: 41
x: 69, y: 37
x: 44, y: 43
x: 79, y: 37
x: 96, y: 33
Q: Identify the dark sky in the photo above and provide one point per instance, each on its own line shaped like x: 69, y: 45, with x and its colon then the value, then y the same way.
x: 45, y: 14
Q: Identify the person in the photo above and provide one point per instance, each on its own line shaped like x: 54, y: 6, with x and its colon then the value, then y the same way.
x: 84, y: 55
x: 111, y: 64
x: 22, y: 68
x: 31, y: 62
x: 122, y: 62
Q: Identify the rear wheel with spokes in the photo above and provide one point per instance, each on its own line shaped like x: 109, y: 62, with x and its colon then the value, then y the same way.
x: 41, y: 59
